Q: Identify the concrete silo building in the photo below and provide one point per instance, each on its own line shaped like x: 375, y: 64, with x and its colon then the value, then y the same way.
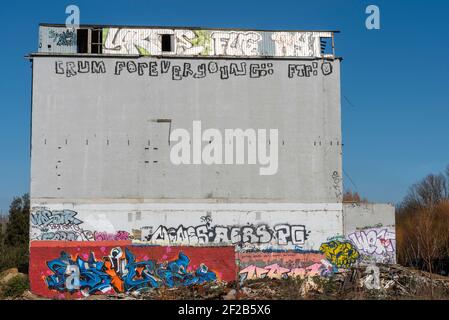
x: 204, y: 152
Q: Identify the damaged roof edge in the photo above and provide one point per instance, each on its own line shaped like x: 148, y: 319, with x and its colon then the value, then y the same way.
x: 180, y: 27
x: 136, y: 56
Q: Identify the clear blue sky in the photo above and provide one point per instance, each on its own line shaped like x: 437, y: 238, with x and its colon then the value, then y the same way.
x: 395, y: 127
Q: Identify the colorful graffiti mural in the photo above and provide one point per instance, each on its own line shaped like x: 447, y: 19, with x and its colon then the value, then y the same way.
x: 122, y: 272
x: 283, y: 265
x: 213, y: 43
x: 276, y: 271
x: 375, y: 244
x: 79, y: 271
x: 342, y: 254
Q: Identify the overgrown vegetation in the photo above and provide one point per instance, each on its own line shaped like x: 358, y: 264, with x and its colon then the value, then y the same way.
x: 14, y: 240
x: 422, y: 225
x: 15, y: 287
x: 350, y: 197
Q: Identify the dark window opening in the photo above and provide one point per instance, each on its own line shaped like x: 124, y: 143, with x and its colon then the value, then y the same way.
x: 89, y: 40
x: 82, y: 36
x: 167, y: 42
x: 96, y: 41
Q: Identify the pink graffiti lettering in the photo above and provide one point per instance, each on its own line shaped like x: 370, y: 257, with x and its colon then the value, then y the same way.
x: 276, y: 271
x: 104, y: 236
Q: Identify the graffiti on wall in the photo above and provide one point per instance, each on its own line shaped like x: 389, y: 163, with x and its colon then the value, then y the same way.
x: 280, y: 234
x: 73, y: 68
x: 58, y: 217
x: 236, y: 43
x: 275, y: 271
x: 309, y: 69
x: 337, y: 184
x: 342, y: 254
x: 60, y: 225
x: 375, y: 244
x: 185, y: 70
x: 81, y: 270
x: 107, y: 236
x: 148, y: 41
x: 282, y: 265
x: 121, y: 272
x: 294, y: 44
x: 65, y: 225
x: 63, y: 38
x: 212, y: 43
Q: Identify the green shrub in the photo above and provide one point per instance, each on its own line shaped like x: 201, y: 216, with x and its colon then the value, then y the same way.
x: 15, y: 287
x: 14, y: 257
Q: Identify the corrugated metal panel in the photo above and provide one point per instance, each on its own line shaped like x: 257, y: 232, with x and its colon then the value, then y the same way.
x: 57, y: 40
x: 187, y: 42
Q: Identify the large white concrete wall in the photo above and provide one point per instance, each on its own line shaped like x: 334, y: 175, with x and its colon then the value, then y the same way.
x: 247, y: 226
x: 95, y: 133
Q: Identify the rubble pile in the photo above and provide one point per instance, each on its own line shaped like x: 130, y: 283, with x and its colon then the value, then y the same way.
x: 392, y: 282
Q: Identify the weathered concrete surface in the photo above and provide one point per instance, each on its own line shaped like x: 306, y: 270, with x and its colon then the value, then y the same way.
x: 95, y: 134
x: 371, y: 228
x: 191, y: 42
x: 363, y: 215
x: 248, y: 226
